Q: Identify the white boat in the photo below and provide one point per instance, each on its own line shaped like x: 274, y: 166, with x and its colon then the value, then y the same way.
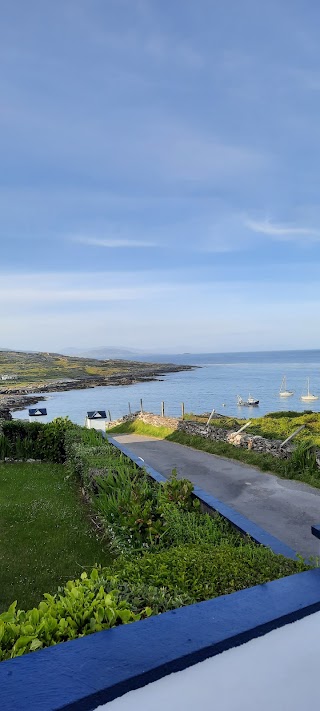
x: 308, y: 397
x: 283, y: 392
x: 250, y: 402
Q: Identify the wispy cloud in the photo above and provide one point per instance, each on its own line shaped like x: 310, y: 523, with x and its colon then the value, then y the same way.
x: 281, y: 231
x: 113, y: 243
x: 63, y: 288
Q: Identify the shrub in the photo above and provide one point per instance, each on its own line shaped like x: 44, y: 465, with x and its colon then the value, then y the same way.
x: 205, y: 571
x: 183, y: 527
x: 24, y: 440
x: 80, y: 608
x: 303, y: 461
x: 132, y: 589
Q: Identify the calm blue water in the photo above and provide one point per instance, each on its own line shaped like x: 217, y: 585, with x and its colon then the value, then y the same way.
x: 221, y: 377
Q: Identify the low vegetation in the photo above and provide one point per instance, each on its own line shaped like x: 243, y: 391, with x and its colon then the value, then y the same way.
x: 35, y: 369
x: 275, y: 425
x: 165, y: 552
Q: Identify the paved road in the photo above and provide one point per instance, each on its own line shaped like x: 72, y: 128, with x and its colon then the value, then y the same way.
x: 286, y: 509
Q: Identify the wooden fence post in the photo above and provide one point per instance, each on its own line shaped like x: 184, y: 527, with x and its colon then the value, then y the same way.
x: 162, y: 409
x: 182, y: 410
x: 129, y: 408
x: 211, y: 416
x: 141, y: 406
x: 109, y: 415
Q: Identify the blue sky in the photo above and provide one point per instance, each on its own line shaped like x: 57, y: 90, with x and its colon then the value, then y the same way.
x: 159, y: 174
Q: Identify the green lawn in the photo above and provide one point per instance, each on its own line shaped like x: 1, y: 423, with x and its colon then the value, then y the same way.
x: 46, y: 536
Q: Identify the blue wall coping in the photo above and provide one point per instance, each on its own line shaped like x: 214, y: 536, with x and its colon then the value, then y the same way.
x: 315, y: 530
x: 240, y: 522
x: 84, y: 673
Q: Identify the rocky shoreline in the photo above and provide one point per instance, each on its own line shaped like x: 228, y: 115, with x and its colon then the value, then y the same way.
x: 20, y: 398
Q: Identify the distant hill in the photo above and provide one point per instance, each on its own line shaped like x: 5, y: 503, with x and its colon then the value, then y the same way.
x: 105, y: 352
x: 40, y: 370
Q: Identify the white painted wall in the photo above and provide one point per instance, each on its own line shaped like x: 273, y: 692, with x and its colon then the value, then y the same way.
x: 96, y: 424
x: 277, y: 672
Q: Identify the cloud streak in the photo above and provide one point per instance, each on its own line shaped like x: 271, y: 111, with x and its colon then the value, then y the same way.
x: 114, y: 243
x: 281, y: 231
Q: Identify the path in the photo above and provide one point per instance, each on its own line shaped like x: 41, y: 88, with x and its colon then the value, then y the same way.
x: 284, y: 508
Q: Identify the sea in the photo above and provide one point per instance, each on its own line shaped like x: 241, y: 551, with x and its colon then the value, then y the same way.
x: 214, y: 383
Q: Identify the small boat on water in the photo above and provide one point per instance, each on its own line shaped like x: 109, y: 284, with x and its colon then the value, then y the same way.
x: 309, y: 397
x: 283, y: 392
x: 250, y: 402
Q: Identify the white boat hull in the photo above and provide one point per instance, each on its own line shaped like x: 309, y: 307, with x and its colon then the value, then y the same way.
x: 286, y: 393
x: 309, y: 398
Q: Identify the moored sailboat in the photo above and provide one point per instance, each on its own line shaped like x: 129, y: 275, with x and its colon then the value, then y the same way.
x: 283, y: 392
x: 308, y: 397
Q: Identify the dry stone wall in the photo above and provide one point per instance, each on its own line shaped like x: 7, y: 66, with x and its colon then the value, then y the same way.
x: 245, y: 440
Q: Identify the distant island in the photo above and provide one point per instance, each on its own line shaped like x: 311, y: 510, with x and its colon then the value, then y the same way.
x: 23, y: 374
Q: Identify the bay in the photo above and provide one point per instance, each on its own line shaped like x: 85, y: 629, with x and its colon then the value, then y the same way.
x: 216, y: 383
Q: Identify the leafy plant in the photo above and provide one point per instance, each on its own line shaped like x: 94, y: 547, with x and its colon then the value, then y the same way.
x: 78, y: 609
x: 303, y: 461
x: 205, y: 571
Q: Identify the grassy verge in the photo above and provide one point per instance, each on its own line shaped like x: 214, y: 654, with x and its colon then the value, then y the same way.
x: 139, y: 427
x: 46, y: 536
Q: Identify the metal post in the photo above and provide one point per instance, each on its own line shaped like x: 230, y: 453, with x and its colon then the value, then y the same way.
x: 109, y: 415
x: 182, y: 410
x: 162, y: 409
x: 129, y: 408
x: 141, y: 406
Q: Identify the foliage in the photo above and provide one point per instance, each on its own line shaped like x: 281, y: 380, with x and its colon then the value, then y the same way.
x: 184, y: 527
x: 138, y: 587
x: 80, y: 608
x: 132, y: 506
x: 303, y: 460
x: 204, y: 571
x: 34, y: 440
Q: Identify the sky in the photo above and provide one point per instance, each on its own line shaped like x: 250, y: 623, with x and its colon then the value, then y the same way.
x: 159, y: 174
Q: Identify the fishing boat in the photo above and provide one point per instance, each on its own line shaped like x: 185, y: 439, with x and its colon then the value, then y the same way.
x: 308, y: 397
x: 283, y: 392
x: 250, y: 402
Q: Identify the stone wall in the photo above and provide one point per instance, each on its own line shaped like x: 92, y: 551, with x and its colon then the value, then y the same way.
x: 245, y: 440
x: 219, y: 434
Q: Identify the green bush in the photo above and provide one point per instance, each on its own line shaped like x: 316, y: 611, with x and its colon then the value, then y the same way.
x: 132, y: 506
x: 183, y: 527
x: 204, y: 571
x: 35, y: 440
x: 80, y: 608
x: 132, y: 589
x: 303, y: 462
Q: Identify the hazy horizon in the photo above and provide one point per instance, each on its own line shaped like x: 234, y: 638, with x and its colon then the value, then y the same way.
x: 160, y: 167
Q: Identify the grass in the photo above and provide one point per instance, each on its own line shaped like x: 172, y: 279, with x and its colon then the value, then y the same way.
x: 275, y: 425
x: 46, y: 536
x: 139, y: 427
